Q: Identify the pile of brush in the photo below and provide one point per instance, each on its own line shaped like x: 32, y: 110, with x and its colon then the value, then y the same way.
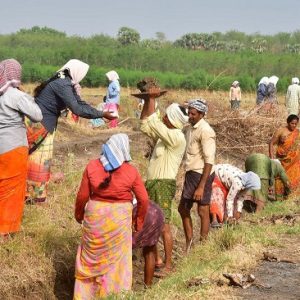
x: 241, y: 133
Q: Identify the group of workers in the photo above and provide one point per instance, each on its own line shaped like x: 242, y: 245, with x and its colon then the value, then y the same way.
x: 111, y: 224
x: 267, y: 94
x: 218, y: 190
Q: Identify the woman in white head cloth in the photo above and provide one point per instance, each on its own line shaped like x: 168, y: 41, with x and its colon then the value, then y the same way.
x: 292, y: 99
x: 272, y: 90
x: 60, y: 92
x: 235, y: 95
x: 112, y: 100
x: 262, y: 90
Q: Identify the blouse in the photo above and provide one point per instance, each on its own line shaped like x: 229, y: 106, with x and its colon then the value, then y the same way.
x: 124, y: 181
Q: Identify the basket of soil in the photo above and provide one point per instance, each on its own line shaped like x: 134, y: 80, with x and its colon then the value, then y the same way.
x: 149, y: 88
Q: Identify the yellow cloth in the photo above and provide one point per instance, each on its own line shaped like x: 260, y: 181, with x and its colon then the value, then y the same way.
x: 169, y: 149
x: 201, y: 146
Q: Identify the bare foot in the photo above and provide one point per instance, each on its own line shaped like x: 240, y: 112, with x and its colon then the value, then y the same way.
x: 4, y: 238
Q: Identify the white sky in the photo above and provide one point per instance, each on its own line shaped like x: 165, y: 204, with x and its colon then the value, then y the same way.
x: 172, y: 17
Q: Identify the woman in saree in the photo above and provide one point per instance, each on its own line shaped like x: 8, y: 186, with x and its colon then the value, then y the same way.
x: 270, y: 172
x: 14, y: 105
x: 104, y: 207
x: 287, y: 140
x: 112, y: 100
x: 53, y: 96
x: 228, y: 189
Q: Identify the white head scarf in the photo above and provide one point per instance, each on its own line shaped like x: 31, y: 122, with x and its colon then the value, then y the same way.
x: 112, y: 75
x: 77, y: 70
x: 273, y: 79
x: 264, y: 80
x: 235, y: 83
x: 176, y: 116
x: 295, y: 80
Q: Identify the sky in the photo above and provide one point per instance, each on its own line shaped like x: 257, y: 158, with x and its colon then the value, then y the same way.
x: 172, y: 17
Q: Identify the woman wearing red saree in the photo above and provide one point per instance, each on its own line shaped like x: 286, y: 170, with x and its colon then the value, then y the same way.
x: 287, y: 140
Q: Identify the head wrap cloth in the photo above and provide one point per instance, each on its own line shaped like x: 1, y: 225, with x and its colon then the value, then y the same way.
x: 115, y: 152
x: 251, y: 180
x: 177, y: 118
x: 10, y: 74
x: 198, y: 104
x: 77, y: 70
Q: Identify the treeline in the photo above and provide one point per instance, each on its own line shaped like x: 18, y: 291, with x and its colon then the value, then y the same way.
x: 43, y: 50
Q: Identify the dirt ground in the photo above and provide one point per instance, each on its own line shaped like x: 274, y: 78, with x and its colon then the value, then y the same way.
x: 277, y: 279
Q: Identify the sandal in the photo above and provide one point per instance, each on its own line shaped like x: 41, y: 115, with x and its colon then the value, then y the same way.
x: 215, y: 225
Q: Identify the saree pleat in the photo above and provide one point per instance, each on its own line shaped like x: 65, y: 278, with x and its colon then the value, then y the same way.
x: 13, y: 166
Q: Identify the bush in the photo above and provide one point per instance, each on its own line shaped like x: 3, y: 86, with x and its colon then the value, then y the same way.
x: 196, y: 80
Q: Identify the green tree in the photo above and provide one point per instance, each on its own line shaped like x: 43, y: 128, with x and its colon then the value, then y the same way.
x: 234, y: 46
x: 160, y: 36
x: 292, y: 48
x: 151, y: 43
x: 259, y: 45
x: 41, y: 30
x: 128, y: 36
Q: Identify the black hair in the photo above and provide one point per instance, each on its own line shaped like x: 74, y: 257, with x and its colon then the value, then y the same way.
x: 37, y: 91
x: 183, y: 110
x: 291, y: 118
x: 105, y: 183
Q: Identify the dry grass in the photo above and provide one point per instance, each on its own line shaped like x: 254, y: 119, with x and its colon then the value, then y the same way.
x: 39, y: 260
x: 38, y: 263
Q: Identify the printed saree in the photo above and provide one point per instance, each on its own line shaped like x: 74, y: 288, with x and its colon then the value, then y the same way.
x: 289, y: 155
x: 218, y: 199
x: 104, y: 257
x: 41, y: 152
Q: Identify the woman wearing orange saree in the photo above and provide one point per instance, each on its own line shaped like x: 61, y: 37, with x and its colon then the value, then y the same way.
x: 287, y: 140
x: 14, y: 105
